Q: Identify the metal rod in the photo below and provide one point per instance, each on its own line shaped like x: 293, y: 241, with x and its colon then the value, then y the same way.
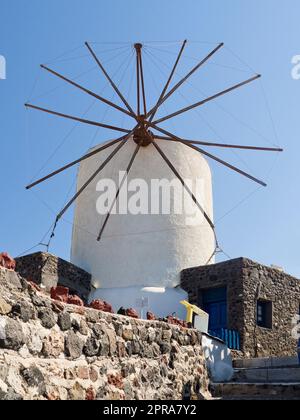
x: 70, y: 117
x: 187, y: 77
x: 118, y: 192
x: 102, y: 166
x: 188, y: 108
x: 210, y: 155
x: 143, y: 82
x: 168, y: 82
x: 174, y: 170
x: 89, y: 92
x: 230, y: 146
x: 69, y: 165
x: 111, y: 81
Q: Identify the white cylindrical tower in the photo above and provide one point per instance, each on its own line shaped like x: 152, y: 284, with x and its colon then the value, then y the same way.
x: 147, y: 250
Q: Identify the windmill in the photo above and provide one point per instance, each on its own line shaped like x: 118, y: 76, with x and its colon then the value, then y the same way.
x: 146, y: 132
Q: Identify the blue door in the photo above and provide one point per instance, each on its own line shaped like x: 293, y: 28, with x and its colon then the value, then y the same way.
x: 215, y: 304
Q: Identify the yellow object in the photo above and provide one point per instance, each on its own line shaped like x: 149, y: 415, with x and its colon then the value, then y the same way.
x: 191, y: 309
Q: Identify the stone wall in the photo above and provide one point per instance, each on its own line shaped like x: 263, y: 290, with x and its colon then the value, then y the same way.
x: 48, y: 270
x: 265, y: 283
x: 247, y: 282
x: 49, y: 350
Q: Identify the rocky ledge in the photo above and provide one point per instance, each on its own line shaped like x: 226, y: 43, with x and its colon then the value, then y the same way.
x: 55, y: 351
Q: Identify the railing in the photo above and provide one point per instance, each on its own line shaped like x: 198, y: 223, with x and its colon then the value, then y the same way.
x: 230, y: 337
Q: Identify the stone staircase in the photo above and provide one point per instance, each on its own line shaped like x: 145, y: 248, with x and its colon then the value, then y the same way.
x: 261, y: 379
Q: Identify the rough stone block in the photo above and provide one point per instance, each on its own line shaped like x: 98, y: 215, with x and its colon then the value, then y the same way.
x: 50, y: 271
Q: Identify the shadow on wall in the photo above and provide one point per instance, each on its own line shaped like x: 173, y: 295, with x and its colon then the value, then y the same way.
x: 218, y: 359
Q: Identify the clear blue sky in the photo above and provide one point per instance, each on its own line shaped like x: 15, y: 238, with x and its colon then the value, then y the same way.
x: 264, y: 33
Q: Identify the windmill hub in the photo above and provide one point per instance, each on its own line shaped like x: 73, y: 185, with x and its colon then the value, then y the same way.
x: 142, y: 135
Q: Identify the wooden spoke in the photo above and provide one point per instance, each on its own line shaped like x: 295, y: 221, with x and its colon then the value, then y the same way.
x: 110, y: 80
x: 138, y: 93
x: 82, y: 120
x: 143, y: 83
x: 102, y: 166
x: 69, y: 165
x: 168, y: 82
x: 211, y: 98
x: 89, y: 92
x: 118, y: 192
x: 176, y: 173
x: 209, y: 155
x: 230, y: 146
x: 177, y: 86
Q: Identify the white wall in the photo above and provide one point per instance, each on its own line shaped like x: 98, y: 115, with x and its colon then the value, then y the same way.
x: 142, y: 250
x: 162, y: 302
x: 218, y: 359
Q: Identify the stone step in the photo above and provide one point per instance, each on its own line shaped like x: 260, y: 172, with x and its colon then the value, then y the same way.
x: 266, y: 362
x: 256, y: 391
x: 268, y: 375
x: 255, y: 398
